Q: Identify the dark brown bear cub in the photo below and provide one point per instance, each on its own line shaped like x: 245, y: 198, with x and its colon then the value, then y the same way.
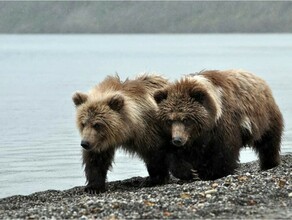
x: 121, y: 114
x: 211, y: 115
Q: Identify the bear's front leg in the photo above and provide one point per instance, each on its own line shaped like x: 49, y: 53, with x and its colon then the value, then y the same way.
x: 218, y: 160
x: 96, y: 167
x: 180, y: 167
x: 158, y: 168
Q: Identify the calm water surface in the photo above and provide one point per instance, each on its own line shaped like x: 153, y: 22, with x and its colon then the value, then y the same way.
x: 39, y: 143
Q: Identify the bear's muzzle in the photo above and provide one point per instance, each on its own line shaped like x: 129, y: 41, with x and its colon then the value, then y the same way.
x: 85, y: 144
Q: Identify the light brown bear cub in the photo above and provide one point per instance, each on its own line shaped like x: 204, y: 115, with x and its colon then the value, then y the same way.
x: 120, y: 114
x: 211, y: 115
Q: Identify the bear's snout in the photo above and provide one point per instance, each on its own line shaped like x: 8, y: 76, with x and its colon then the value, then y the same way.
x: 179, y: 134
x: 85, y: 144
x: 177, y: 141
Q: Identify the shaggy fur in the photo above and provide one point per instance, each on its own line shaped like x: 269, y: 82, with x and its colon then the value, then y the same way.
x: 211, y: 115
x: 120, y: 114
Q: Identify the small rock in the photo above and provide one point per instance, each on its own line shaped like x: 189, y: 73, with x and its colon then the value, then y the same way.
x: 185, y: 195
x: 215, y: 185
x: 148, y: 203
x: 211, y: 191
x: 166, y: 213
x: 200, y: 205
x: 83, y: 217
x: 282, y: 183
x: 242, y: 178
x: 208, y: 196
x: 90, y: 202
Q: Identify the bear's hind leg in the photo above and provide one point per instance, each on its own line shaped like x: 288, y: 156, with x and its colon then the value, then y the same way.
x: 96, y: 167
x: 268, y: 149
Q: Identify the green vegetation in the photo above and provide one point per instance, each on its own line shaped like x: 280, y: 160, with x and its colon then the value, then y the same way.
x: 145, y: 17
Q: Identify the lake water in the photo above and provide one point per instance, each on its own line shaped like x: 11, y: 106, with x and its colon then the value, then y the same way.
x: 39, y: 143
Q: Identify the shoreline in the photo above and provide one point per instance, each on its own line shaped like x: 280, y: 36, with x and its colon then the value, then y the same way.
x: 249, y: 194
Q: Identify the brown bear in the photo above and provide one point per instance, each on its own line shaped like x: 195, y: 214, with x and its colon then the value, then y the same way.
x: 211, y: 115
x: 116, y: 114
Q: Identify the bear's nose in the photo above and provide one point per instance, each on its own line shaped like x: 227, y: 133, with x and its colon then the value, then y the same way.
x: 177, y: 141
x: 85, y: 144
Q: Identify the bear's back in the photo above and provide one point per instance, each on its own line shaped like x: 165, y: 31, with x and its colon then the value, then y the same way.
x: 247, y: 96
x: 144, y: 84
x: 141, y: 86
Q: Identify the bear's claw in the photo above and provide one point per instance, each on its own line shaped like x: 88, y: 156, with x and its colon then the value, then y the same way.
x: 93, y: 190
x: 195, y: 174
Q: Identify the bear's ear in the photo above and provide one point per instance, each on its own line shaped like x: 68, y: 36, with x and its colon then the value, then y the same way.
x: 198, y: 96
x: 160, y: 95
x: 116, y: 103
x: 79, y: 98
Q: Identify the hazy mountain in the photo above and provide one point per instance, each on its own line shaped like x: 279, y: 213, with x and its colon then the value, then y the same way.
x: 145, y: 17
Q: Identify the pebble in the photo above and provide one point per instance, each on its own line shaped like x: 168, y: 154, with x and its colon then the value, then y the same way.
x: 83, y: 217
x: 210, y: 191
x: 208, y: 196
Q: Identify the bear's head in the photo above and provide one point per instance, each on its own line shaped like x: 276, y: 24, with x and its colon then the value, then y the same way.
x: 100, y: 121
x: 187, y: 110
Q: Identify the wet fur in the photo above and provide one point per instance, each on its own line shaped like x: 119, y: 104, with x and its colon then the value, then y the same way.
x: 116, y: 114
x: 221, y: 112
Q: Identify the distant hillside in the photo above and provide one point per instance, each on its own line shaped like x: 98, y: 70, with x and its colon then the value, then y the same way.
x: 145, y: 17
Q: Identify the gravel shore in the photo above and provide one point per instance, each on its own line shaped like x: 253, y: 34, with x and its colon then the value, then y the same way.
x: 250, y: 194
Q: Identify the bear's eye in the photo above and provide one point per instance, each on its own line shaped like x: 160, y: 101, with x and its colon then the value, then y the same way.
x: 186, y: 121
x: 168, y: 122
x: 96, y: 126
